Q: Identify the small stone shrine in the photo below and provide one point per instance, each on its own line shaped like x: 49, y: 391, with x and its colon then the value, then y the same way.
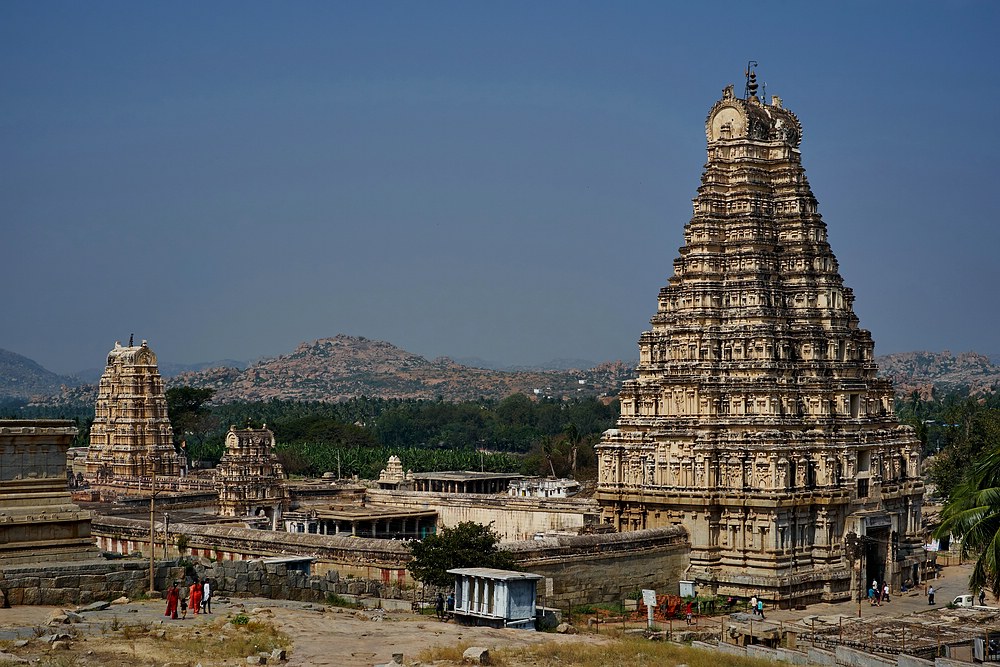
x: 757, y: 421
x: 38, y: 520
x: 131, y: 435
x: 250, y: 479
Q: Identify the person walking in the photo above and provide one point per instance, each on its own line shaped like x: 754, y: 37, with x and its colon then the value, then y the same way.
x: 184, y: 605
x: 753, y: 605
x: 982, y: 597
x: 760, y: 607
x: 173, y: 594
x: 439, y: 607
x: 194, y: 599
x: 930, y: 595
x: 688, y: 613
x: 885, y: 592
x: 450, y: 604
x: 206, y: 597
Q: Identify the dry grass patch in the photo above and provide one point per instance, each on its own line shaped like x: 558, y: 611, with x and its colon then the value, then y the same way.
x: 453, y: 653
x: 626, y: 652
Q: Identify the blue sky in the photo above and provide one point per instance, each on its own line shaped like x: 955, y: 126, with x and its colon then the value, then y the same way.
x: 502, y: 180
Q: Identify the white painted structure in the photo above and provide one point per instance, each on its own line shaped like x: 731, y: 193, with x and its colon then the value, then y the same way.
x: 498, y: 598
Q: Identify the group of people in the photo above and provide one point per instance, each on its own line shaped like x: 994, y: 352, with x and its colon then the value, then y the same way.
x: 757, y: 606
x: 441, y: 605
x: 198, y: 598
x: 876, y: 595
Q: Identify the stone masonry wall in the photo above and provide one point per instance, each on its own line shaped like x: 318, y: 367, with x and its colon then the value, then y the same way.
x: 82, y: 582
x: 606, y: 568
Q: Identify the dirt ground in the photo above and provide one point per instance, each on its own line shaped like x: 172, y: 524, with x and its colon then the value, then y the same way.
x: 137, y: 634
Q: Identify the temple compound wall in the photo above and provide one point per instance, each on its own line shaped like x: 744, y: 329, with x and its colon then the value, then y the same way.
x: 131, y: 437
x: 583, y: 568
x: 606, y: 567
x: 757, y: 421
x: 38, y: 519
x: 511, y: 518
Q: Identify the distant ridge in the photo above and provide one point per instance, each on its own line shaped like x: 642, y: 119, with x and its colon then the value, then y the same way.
x: 20, y: 377
x: 342, y: 367
x: 167, y: 369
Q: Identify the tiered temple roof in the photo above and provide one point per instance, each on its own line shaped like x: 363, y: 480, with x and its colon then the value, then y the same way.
x: 757, y: 420
x: 131, y: 434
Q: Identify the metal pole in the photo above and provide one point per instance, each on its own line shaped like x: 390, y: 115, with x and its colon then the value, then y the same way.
x: 166, y: 533
x: 152, y: 535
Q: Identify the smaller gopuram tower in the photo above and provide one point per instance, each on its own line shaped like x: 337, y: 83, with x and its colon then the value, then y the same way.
x: 250, y: 479
x: 131, y: 435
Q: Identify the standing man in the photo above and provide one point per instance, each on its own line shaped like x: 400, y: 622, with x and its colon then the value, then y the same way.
x: 982, y: 597
x: 930, y: 595
x: 439, y: 607
x: 206, y: 597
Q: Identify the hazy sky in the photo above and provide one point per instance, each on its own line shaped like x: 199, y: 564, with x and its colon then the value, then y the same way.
x: 505, y: 180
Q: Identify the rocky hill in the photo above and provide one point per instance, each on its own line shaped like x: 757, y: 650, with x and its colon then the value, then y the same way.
x: 942, y: 371
x: 334, y: 369
x: 23, y: 378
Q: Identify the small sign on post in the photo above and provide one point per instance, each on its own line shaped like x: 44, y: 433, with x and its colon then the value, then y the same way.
x: 649, y: 599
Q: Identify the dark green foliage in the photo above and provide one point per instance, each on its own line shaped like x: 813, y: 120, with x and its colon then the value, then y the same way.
x: 957, y: 429
x: 359, y: 435
x: 468, y: 544
x: 973, y: 515
x: 82, y: 415
x: 192, y: 420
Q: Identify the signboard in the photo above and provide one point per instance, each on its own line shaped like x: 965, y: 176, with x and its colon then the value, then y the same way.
x: 649, y: 597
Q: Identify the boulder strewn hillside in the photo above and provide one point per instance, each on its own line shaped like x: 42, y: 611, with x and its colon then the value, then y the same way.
x: 334, y: 369
x: 919, y: 371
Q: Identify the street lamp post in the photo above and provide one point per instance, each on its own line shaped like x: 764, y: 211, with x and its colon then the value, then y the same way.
x: 152, y: 525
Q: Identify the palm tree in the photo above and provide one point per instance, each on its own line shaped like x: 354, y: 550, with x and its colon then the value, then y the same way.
x: 973, y: 515
x: 574, y: 439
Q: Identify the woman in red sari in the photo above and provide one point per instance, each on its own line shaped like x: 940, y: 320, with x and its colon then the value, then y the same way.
x: 194, y: 600
x: 173, y: 594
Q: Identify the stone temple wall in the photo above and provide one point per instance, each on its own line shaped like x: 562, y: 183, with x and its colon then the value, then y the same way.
x: 80, y: 583
x: 606, y: 567
x: 584, y: 568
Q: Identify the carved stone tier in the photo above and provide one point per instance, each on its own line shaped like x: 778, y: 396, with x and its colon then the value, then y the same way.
x: 250, y: 479
x: 757, y: 420
x: 38, y: 520
x: 131, y: 434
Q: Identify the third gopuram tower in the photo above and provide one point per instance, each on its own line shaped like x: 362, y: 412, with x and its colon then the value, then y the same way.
x: 757, y: 420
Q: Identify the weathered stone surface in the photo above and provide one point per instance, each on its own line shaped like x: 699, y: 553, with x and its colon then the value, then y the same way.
x: 264, y: 493
x: 131, y: 432
x: 476, y: 655
x: 95, y: 606
x: 566, y: 629
x: 757, y: 388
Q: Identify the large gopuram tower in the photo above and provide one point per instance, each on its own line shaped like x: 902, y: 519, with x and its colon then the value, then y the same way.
x: 131, y: 434
x: 757, y: 420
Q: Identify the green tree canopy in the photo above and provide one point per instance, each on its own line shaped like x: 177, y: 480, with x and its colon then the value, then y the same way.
x: 468, y: 544
x: 973, y: 515
x: 190, y: 418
